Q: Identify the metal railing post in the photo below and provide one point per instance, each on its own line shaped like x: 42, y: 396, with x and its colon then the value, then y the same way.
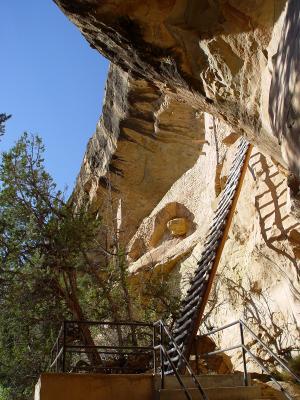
x: 244, y: 355
x: 64, y: 348
x: 162, y: 357
x: 183, y: 361
x: 154, y: 352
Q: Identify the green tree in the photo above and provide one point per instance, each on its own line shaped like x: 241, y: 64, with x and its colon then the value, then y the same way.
x: 40, y: 238
x: 4, y: 393
x: 52, y: 268
x: 3, y: 119
x: 29, y: 319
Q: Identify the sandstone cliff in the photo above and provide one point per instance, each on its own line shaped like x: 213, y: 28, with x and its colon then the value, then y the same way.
x: 237, y: 59
x: 143, y: 143
x: 187, y: 79
x: 258, y: 277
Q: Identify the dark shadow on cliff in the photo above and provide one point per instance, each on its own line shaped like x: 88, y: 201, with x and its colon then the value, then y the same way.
x: 258, y: 312
x: 284, y: 116
x: 274, y: 192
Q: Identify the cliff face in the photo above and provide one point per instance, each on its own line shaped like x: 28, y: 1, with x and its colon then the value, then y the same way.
x: 187, y: 79
x: 258, y: 276
x: 236, y: 59
x: 144, y: 142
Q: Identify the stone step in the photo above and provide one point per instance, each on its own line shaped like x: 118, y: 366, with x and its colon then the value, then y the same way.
x: 224, y: 393
x: 207, y: 381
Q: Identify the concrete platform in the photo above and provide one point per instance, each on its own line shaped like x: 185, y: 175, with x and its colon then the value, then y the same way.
x: 54, y: 386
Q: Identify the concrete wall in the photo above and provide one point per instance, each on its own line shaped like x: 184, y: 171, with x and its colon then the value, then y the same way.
x: 94, y: 387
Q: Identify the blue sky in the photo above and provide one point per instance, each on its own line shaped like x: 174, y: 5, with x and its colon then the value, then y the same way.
x: 51, y: 81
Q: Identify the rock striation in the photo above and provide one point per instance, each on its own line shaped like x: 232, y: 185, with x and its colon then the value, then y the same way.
x: 141, y: 133
x: 236, y: 59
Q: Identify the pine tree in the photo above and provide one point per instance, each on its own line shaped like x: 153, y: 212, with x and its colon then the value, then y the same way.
x: 52, y: 268
x: 3, y: 119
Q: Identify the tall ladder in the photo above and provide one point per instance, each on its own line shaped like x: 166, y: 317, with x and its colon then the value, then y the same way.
x: 193, y: 305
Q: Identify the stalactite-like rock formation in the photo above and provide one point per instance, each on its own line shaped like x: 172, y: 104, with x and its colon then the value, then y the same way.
x: 143, y: 143
x: 234, y: 59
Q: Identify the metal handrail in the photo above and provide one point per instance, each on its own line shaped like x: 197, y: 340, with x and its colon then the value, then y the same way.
x: 61, y: 347
x: 117, y: 323
x: 165, y: 356
x: 74, y: 346
x: 246, y: 350
x: 285, y: 393
x: 163, y: 350
x: 165, y: 353
x: 297, y: 378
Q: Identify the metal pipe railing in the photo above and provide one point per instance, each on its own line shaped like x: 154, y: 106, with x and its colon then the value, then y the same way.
x: 61, y: 348
x: 244, y: 355
x: 165, y: 354
x: 282, y: 364
x: 109, y: 323
x: 246, y: 350
x: 286, y: 394
x: 164, y: 329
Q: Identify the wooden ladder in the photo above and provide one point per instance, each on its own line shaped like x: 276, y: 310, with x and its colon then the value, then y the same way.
x: 192, y: 308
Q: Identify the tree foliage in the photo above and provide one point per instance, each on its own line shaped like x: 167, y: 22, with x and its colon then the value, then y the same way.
x: 3, y: 118
x: 52, y: 268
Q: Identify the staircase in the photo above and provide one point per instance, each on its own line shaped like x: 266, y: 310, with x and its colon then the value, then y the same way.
x: 216, y: 387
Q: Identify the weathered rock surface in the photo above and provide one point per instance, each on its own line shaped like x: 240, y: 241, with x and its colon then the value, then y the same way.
x: 258, y: 276
x: 158, y: 249
x: 151, y: 166
x: 144, y: 142
x: 218, y: 363
x: 237, y: 59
